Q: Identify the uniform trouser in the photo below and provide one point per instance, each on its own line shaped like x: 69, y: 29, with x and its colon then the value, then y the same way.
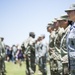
x: 32, y: 59
x: 72, y: 69
x: 27, y: 64
x: 53, y: 69
x: 54, y: 64
x: 65, y: 70
x: 71, y: 58
x: 2, y: 65
x: 42, y: 65
x: 72, y: 72
x: 30, y: 64
x: 59, y: 67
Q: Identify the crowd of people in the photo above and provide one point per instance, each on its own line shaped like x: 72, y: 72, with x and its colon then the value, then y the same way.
x: 14, y: 54
x: 59, y: 53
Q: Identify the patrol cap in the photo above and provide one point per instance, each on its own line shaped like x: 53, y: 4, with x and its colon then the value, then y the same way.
x: 63, y: 17
x: 55, y: 20
x: 72, y: 7
x: 50, y: 24
x: 43, y: 35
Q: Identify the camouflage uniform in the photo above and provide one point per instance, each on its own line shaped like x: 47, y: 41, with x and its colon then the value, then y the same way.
x: 53, y: 56
x: 63, y: 50
x: 2, y: 57
x: 71, y: 49
x: 71, y: 39
x: 57, y: 48
x: 30, y: 54
x: 57, y: 51
x: 60, y: 45
x: 64, y: 53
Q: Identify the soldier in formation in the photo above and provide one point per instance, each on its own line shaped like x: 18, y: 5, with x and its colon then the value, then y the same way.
x: 71, y: 39
x: 64, y: 53
x: 53, y: 56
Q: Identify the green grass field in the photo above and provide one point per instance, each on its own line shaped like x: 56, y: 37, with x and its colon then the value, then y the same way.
x: 15, y: 69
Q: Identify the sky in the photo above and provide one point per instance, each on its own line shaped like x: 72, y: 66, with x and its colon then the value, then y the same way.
x: 19, y: 17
